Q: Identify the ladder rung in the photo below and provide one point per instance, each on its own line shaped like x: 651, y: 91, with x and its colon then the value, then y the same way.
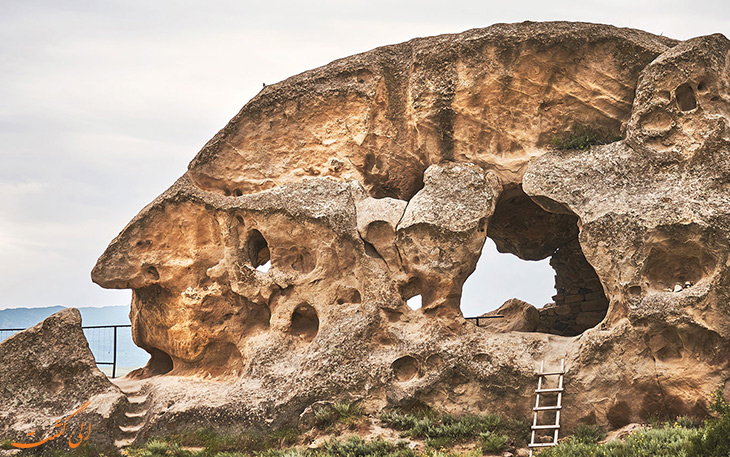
x: 547, y: 408
x: 542, y: 391
x: 545, y: 427
x: 541, y: 444
x: 551, y: 373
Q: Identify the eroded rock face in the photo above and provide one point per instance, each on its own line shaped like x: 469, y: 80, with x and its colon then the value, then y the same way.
x: 47, y: 373
x: 378, y: 177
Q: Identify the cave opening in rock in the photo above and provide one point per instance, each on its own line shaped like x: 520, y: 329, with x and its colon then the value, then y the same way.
x: 258, y: 251
x: 160, y: 362
x: 304, y: 322
x: 572, y: 295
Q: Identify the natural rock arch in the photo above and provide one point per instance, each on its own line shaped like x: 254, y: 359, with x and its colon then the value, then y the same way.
x: 383, y: 173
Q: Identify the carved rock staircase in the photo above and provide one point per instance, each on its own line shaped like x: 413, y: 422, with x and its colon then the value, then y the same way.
x: 136, y: 415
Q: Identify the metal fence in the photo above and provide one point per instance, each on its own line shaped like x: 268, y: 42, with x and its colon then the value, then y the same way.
x: 477, y: 319
x: 103, y: 342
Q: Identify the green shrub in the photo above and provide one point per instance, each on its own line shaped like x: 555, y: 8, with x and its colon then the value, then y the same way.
x: 587, y: 434
x: 248, y: 442
x: 662, y: 442
x: 86, y: 449
x: 347, y: 410
x: 447, y: 430
x: 714, y: 439
x: 285, y: 436
x: 686, y: 422
x: 356, y: 447
x: 275, y: 453
x: 160, y: 448
x: 581, y: 137
x: 397, y: 420
x: 5, y: 444
x: 325, y: 417
x: 493, y: 442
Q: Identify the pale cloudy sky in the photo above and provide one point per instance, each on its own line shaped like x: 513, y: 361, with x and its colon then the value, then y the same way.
x: 104, y: 102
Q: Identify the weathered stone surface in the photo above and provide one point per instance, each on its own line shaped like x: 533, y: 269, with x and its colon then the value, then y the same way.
x: 443, y: 230
x: 518, y: 316
x: 47, y: 373
x: 382, y: 117
x: 378, y: 177
x: 650, y: 217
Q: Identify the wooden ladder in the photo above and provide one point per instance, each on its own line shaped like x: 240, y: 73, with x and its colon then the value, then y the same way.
x: 557, y: 407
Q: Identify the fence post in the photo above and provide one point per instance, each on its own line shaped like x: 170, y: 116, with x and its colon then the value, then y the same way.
x: 114, y: 363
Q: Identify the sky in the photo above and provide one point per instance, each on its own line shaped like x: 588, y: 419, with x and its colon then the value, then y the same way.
x: 103, y: 103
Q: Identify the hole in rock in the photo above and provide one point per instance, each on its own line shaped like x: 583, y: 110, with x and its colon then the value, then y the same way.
x: 258, y: 249
x: 348, y: 294
x: 569, y: 296
x: 405, y: 368
x: 685, y: 97
x: 675, y: 258
x: 415, y: 302
x: 152, y: 273
x: 304, y: 322
x: 502, y: 276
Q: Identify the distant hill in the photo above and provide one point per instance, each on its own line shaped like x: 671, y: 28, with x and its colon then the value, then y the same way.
x: 100, y: 340
x: 26, y: 317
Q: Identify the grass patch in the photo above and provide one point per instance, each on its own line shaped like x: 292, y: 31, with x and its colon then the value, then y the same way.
x: 447, y: 430
x: 356, y: 447
x: 86, y: 449
x: 493, y: 442
x: 5, y: 444
x: 581, y: 137
x: 587, y: 434
x: 216, y: 444
x: 480, y: 434
x: 160, y: 448
x: 347, y: 413
x: 662, y: 442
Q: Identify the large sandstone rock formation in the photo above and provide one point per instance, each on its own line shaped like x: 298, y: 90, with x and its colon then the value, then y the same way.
x: 378, y: 177
x: 47, y: 374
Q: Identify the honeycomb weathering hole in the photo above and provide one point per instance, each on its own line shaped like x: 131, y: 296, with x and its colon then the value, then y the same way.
x: 258, y: 249
x: 415, y: 302
x: 405, y: 368
x: 304, y: 322
x: 672, y: 261
x: 686, y: 97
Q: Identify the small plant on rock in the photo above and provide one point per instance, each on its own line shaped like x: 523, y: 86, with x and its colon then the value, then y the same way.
x: 588, y: 434
x: 492, y: 442
x: 581, y: 137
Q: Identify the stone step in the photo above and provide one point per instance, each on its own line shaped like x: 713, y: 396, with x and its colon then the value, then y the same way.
x: 138, y: 408
x: 123, y: 442
x: 134, y: 420
x: 137, y: 399
x: 136, y: 415
x: 133, y: 393
x: 131, y: 428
